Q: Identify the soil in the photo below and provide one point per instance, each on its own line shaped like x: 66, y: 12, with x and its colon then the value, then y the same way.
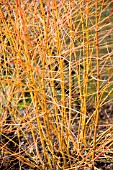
x: 106, y: 116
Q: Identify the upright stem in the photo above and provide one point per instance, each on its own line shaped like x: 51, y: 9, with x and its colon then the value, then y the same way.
x: 86, y: 69
x: 98, y: 82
